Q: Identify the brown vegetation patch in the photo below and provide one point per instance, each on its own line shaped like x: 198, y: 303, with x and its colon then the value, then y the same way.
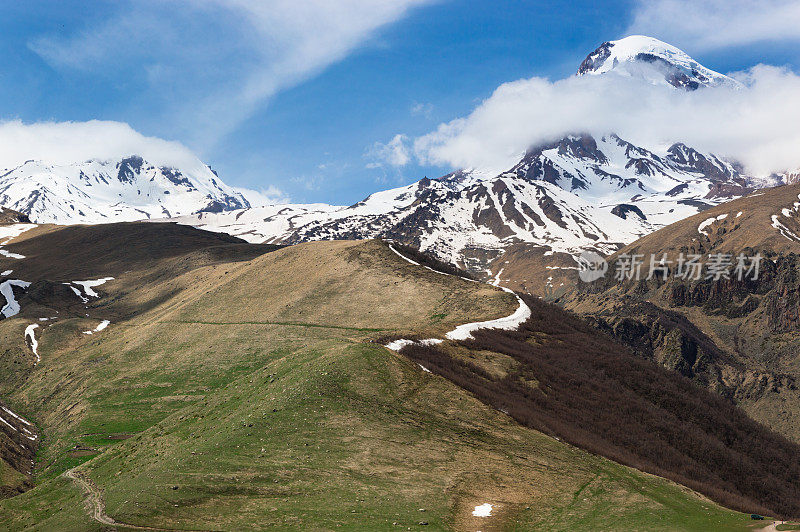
x: 594, y: 393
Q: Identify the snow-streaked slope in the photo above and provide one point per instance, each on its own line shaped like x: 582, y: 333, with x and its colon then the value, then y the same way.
x: 568, y: 196
x: 127, y: 189
x: 576, y: 193
x: 265, y: 224
x: 654, y: 60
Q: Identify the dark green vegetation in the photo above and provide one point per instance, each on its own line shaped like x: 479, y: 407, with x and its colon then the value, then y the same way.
x: 242, y: 387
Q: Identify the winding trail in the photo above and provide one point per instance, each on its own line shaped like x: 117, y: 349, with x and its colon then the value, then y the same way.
x: 97, y: 506
x: 94, y: 497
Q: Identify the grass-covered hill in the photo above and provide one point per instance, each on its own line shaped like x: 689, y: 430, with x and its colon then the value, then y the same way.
x: 242, y: 387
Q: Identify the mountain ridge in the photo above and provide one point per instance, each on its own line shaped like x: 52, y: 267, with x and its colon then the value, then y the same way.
x: 578, y: 192
x: 127, y: 188
x: 564, y: 197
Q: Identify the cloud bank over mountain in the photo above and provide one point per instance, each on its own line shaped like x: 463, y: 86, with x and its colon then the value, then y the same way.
x: 755, y: 124
x: 75, y: 142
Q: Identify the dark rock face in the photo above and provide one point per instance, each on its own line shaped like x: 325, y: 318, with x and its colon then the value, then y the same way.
x: 776, y: 291
x: 596, y: 58
x: 667, y: 338
x: 746, y: 365
x: 623, y: 210
x: 677, y: 190
x: 227, y: 203
x: 176, y: 177
x: 10, y: 216
x: 581, y: 146
x: 712, y: 167
x: 129, y: 168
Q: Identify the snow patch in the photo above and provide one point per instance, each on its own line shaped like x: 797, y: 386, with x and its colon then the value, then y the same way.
x: 463, y: 332
x: 15, y: 416
x: 783, y: 230
x: 7, y: 423
x: 10, y: 255
x: 520, y: 316
x: 397, y: 345
x: 30, y: 337
x: 103, y: 324
x: 403, y: 256
x: 7, y: 272
x: 89, y: 285
x: 11, y: 307
x: 706, y: 223
x: 25, y: 431
x: 9, y: 233
x: 483, y: 510
x: 496, y: 280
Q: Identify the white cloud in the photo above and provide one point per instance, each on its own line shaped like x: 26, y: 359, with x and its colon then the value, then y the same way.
x: 703, y: 25
x: 210, y: 64
x: 394, y: 153
x: 271, y: 195
x: 71, y: 142
x: 60, y: 143
x: 756, y: 125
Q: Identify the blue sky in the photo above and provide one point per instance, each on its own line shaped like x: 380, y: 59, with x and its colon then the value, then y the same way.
x: 299, y: 106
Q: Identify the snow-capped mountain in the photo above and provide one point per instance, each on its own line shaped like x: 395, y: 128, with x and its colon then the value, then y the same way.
x: 126, y: 189
x: 654, y: 60
x: 577, y: 193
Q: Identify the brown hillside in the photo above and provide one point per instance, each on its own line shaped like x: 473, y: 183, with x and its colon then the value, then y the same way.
x: 559, y: 375
x: 740, y: 338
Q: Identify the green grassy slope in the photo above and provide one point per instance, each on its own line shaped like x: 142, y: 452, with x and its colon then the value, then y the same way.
x: 354, y: 437
x: 251, y: 393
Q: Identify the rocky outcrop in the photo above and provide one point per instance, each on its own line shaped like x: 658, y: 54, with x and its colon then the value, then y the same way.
x: 623, y: 210
x: 667, y: 338
x: 10, y: 216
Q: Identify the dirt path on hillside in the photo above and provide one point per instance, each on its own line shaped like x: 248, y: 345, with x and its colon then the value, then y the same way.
x: 96, y: 504
x: 772, y: 527
x: 94, y: 497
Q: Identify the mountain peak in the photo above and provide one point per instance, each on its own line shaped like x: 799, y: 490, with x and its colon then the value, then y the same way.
x: 124, y: 188
x: 656, y: 61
